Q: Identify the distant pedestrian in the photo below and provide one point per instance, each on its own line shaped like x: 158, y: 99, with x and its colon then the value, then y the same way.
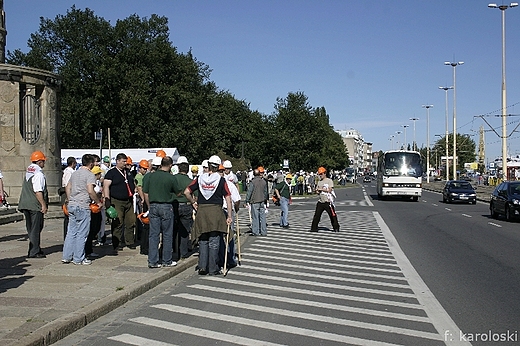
x: 67, y: 172
x: 256, y: 197
x: 283, y: 193
x: 182, y: 210
x: 33, y: 203
x: 325, y: 188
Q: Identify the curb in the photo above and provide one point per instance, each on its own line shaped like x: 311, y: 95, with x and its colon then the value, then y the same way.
x: 72, y: 322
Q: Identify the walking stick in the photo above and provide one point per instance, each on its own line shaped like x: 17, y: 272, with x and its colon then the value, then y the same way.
x: 226, y: 253
x: 238, y: 241
x: 250, y: 219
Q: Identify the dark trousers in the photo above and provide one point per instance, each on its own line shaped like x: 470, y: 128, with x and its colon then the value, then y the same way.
x: 320, y: 207
x: 125, y: 220
x: 95, y: 225
x: 181, y: 229
x: 34, y: 225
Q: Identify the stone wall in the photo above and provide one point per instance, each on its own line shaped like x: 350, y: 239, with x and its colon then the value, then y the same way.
x: 15, y: 150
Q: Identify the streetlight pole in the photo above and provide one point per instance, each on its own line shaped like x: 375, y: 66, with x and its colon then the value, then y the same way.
x: 398, y: 139
x: 446, y: 88
x: 454, y: 64
x: 427, y: 141
x: 405, y: 143
x: 391, y: 139
x: 414, y: 145
x: 503, y: 9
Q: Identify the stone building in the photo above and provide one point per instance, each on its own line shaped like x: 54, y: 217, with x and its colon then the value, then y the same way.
x: 29, y: 121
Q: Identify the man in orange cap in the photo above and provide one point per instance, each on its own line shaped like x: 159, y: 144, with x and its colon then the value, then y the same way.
x: 33, y: 202
x: 324, y: 188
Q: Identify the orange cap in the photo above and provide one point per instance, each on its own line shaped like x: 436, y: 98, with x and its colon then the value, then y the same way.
x: 221, y: 167
x: 129, y: 160
x: 65, y: 210
x: 94, y: 208
x: 144, y: 163
x: 160, y: 153
x: 261, y: 169
x: 322, y: 170
x: 144, y: 219
x: 37, y: 156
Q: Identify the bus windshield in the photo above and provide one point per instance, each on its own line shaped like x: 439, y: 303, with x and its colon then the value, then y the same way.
x: 402, y: 164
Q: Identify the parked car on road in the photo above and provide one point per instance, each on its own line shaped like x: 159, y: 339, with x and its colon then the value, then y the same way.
x: 458, y: 191
x: 505, y: 200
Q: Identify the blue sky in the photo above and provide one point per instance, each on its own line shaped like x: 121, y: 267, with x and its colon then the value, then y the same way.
x: 371, y: 64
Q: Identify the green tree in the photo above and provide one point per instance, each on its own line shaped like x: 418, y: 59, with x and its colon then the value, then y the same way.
x: 465, y: 151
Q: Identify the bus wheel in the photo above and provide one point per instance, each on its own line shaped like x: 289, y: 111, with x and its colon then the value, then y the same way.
x: 415, y: 198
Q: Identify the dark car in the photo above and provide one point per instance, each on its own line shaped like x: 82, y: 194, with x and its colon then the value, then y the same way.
x: 458, y: 191
x: 367, y: 179
x: 505, y: 200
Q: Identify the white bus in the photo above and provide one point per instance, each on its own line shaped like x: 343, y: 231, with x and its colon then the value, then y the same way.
x: 399, y: 174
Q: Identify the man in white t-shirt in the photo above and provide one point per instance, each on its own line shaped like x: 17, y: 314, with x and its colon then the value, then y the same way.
x: 325, y: 189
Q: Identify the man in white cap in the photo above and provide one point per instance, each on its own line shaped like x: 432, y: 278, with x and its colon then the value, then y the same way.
x: 210, y: 222
x: 205, y: 168
x: 228, y: 174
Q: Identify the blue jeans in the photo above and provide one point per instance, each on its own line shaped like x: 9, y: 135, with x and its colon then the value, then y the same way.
x: 77, y: 232
x: 209, y: 252
x: 284, y: 207
x: 161, y: 221
x: 259, y: 226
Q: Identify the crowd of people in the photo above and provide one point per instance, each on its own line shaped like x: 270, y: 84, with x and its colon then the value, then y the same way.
x: 164, y: 209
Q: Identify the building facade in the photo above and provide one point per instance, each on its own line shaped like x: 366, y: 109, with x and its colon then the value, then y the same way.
x: 359, y: 151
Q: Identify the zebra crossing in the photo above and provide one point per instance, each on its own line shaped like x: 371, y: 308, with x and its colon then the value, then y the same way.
x: 295, y: 287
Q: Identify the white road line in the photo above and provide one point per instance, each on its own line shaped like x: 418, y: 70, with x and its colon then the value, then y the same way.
x: 306, y: 274
x: 440, y: 318
x: 308, y: 257
x: 435, y: 204
x: 340, y: 253
x: 137, y: 340
x: 494, y: 224
x: 202, y: 332
x: 270, y: 326
x: 251, y: 252
x: 367, y: 199
x: 448, y: 209
x: 280, y: 263
x: 313, y: 317
x: 337, y: 307
x: 466, y: 215
x: 327, y: 285
x: 319, y: 259
x: 328, y: 295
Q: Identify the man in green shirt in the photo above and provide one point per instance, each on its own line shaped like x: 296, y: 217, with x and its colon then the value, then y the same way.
x: 159, y: 195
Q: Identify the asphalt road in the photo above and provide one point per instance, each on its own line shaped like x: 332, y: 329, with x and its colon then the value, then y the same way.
x: 399, y: 272
x: 470, y: 261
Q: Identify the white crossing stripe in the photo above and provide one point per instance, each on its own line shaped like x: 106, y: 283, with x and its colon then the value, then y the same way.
x: 202, y: 332
x: 330, y: 295
x: 137, y: 340
x: 287, y: 300
x: 311, y: 317
x: 271, y: 326
x: 324, y: 284
x: 326, y: 277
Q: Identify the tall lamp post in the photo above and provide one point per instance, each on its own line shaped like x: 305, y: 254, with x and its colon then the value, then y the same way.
x: 398, y: 139
x: 391, y: 139
x: 503, y: 9
x: 446, y: 88
x: 427, y: 141
x: 405, y: 126
x: 454, y: 65
x: 414, y: 145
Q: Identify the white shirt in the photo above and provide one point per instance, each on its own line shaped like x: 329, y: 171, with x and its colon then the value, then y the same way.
x: 36, y: 172
x: 235, y: 195
x: 67, y: 172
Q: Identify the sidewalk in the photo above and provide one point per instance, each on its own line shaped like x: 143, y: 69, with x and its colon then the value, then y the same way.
x: 43, y: 300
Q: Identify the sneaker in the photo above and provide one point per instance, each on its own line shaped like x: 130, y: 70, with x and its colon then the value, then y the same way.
x: 85, y: 262
x: 93, y: 255
x: 153, y: 266
x: 64, y: 261
x: 173, y: 264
